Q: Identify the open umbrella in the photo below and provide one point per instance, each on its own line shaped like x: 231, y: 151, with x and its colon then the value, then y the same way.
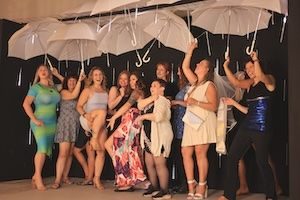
x: 110, y: 5
x: 76, y: 41
x: 158, y: 2
x: 219, y: 18
x: 168, y: 28
x: 31, y: 40
x: 122, y: 36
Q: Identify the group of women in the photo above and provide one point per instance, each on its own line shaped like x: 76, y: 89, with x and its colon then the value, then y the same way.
x: 136, y: 127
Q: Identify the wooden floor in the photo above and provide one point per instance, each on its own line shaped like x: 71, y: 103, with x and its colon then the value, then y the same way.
x: 21, y: 190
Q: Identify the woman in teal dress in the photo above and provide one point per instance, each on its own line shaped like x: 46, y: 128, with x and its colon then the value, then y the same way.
x: 45, y: 98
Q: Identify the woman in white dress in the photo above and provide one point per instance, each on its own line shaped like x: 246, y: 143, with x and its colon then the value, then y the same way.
x: 202, y: 104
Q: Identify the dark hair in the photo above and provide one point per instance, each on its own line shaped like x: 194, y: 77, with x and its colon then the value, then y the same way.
x: 167, y: 67
x: 139, y: 83
x: 210, y: 73
x: 264, y: 67
x: 161, y: 82
x: 66, y: 79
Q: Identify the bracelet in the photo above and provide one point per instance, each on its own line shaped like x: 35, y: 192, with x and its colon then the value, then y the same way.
x: 188, y: 54
x: 256, y: 60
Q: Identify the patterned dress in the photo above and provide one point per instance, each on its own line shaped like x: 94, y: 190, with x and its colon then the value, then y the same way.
x: 127, y: 151
x: 68, y: 122
x: 45, y: 101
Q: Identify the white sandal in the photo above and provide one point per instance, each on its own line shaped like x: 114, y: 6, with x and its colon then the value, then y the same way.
x: 199, y: 196
x: 191, y: 195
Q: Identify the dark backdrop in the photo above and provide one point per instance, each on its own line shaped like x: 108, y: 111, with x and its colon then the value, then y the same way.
x: 17, y: 155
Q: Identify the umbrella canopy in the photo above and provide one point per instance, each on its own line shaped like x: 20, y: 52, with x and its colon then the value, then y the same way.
x: 109, y: 5
x: 31, y: 40
x: 122, y: 36
x: 75, y: 41
x: 158, y: 2
x: 32, y: 10
x: 279, y: 6
x: 168, y: 28
x: 82, y: 9
x: 234, y: 20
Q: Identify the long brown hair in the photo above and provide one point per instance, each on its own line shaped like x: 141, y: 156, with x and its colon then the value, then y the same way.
x: 127, y: 89
x: 89, y: 80
x: 210, y: 74
x: 182, y: 81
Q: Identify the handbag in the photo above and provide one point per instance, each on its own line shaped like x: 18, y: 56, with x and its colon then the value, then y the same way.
x: 192, y: 119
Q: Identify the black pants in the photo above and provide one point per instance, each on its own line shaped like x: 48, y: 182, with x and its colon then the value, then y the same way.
x: 239, y: 146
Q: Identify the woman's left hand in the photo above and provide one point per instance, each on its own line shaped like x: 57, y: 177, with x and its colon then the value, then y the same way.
x: 111, y: 123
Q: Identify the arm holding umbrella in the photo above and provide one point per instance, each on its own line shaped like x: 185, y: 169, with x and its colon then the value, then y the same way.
x: 192, y: 78
x: 267, y: 79
x: 232, y: 79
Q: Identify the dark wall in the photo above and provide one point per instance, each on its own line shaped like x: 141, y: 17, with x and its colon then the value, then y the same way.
x: 17, y: 154
x: 294, y: 96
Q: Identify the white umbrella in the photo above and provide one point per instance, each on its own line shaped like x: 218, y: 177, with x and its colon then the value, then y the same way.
x: 75, y: 41
x: 219, y: 18
x: 122, y: 36
x: 31, y: 40
x: 109, y: 5
x: 168, y: 28
x: 158, y: 2
x: 82, y: 9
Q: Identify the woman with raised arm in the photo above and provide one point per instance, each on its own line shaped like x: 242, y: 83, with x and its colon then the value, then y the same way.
x: 67, y: 127
x: 202, y: 103
x: 92, y: 106
x: 255, y: 128
x: 45, y: 97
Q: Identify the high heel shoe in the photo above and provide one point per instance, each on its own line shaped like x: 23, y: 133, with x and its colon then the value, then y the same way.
x: 35, y: 185
x: 201, y: 195
x: 97, y: 183
x: 191, y: 194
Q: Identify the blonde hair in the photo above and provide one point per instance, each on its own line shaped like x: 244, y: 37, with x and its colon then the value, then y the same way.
x: 89, y: 80
x: 37, y: 78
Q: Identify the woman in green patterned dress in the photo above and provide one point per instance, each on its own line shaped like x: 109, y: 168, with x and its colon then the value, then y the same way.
x: 45, y: 98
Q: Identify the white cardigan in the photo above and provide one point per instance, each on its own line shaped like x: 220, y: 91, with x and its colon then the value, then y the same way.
x: 161, y: 129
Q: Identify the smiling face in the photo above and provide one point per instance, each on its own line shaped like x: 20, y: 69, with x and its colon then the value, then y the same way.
x: 132, y: 81
x: 162, y: 72
x: 156, y: 88
x: 123, y: 80
x: 249, y: 68
x: 97, y: 77
x: 71, y: 83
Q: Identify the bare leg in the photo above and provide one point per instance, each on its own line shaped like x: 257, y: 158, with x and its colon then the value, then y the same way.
x: 100, y: 158
x: 91, y: 161
x: 81, y: 159
x: 202, y: 162
x: 243, y: 180
x: 97, y: 126
x: 187, y: 154
x: 39, y: 160
x: 64, y: 151
x: 68, y: 166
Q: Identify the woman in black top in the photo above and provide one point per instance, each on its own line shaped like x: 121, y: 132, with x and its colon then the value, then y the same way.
x: 255, y: 129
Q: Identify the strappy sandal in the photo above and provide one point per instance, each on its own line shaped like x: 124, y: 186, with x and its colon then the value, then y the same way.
x: 86, y: 182
x: 199, y: 196
x: 191, y: 195
x: 55, y: 186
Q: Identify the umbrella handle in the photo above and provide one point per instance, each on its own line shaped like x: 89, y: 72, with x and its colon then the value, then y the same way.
x: 140, y: 62
x: 227, y: 52
x: 249, y: 50
x: 146, y: 60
